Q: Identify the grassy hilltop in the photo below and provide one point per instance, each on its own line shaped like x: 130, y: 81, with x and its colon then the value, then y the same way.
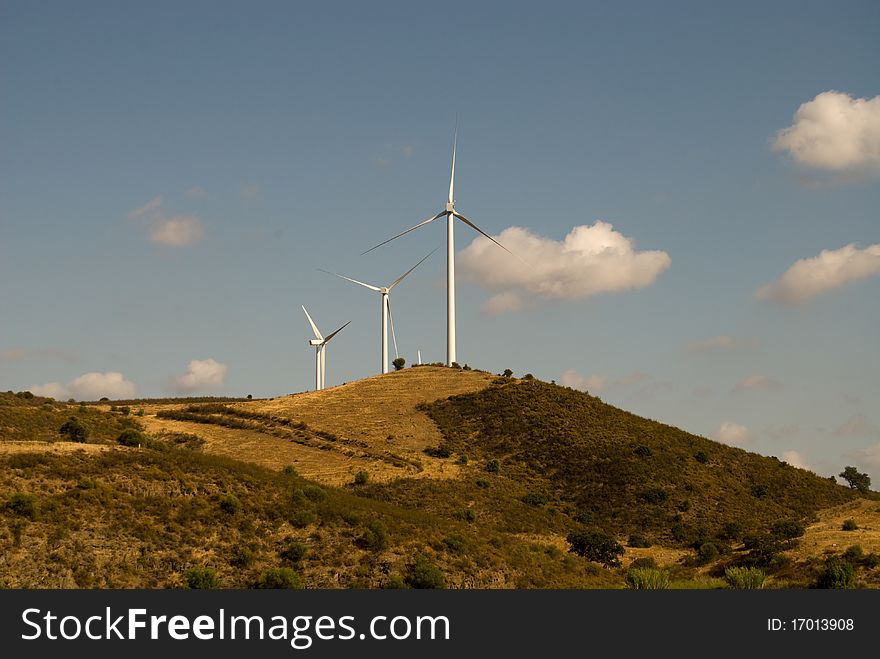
x: 424, y: 477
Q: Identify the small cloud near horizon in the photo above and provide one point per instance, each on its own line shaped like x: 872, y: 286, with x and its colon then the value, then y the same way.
x: 733, y: 434
x: 795, y: 459
x: 176, y: 231
x: 89, y: 386
x: 201, y: 374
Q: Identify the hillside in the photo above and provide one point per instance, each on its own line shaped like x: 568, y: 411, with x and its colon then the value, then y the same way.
x: 336, y: 488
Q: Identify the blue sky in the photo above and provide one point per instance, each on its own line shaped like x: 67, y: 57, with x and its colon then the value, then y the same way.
x: 173, y: 174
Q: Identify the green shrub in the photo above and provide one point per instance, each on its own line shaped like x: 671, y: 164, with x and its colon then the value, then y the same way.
x: 871, y: 561
x: 762, y: 548
x: 646, y: 578
x: 24, y: 505
x: 454, y: 544
x: 638, y: 540
x: 361, y: 478
x: 644, y: 562
x: 482, y: 482
x: 424, y: 574
x: 125, y: 409
x: 838, y: 574
x: 642, y: 451
x: 395, y: 582
x: 854, y: 554
x: 131, y: 437
x: 74, y: 430
x: 374, y: 537
x: 293, y: 551
x: 701, y: 457
x: 788, y: 530
x: 707, y: 553
x: 856, y: 479
x: 463, y: 459
x: 201, y: 578
x: 654, y: 495
x: 280, y: 578
x: 493, y: 466
x: 528, y: 376
x: 441, y: 451
x: 850, y: 525
x: 534, y: 499
x: 507, y: 373
x: 596, y: 546
x: 466, y: 515
x: 230, y: 504
x: 314, y: 493
x: 744, y: 578
x: 242, y: 557
x: 398, y: 363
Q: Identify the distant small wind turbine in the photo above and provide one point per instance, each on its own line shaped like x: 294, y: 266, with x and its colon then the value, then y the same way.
x: 450, y: 213
x: 386, y: 310
x: 419, y: 352
x: 320, y: 344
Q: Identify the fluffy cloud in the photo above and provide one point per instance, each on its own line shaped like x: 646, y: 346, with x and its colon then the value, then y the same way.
x: 733, y: 434
x: 201, y: 374
x: 89, y: 386
x: 571, y: 378
x: 795, y: 459
x: 834, y: 131
x: 590, y: 260
x: 756, y: 382
x: 177, y: 231
x: 832, y: 269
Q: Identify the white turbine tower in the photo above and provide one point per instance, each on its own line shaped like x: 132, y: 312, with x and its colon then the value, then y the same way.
x: 320, y: 345
x: 386, y: 310
x: 450, y: 214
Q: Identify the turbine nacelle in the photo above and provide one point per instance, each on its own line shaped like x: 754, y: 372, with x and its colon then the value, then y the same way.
x: 315, y: 342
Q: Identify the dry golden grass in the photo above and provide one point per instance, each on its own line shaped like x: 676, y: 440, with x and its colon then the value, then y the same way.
x: 378, y: 412
x: 827, y: 536
x: 10, y: 448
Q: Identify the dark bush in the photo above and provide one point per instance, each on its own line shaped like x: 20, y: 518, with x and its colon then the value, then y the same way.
x: 528, y: 376
x: 654, y: 495
x: 441, y: 451
x: 241, y: 557
x: 534, y: 499
x: 24, y: 505
x: 507, y: 372
x: 854, y: 554
x: 493, y: 466
x: 644, y: 562
x: 374, y: 537
x: 856, y: 479
x: 280, y: 578
x: 596, y: 546
x: 230, y: 504
x: 638, y: 540
x: 398, y: 363
x: 787, y: 530
x: 838, y: 574
x: 361, y: 478
x: 424, y: 574
x: 293, y: 551
x: 762, y: 549
x: 850, y: 525
x: 759, y: 491
x: 707, y: 552
x: 871, y: 561
x: 701, y: 457
x: 74, y: 430
x: 201, y: 578
x: 482, y: 482
x: 642, y: 451
x: 131, y: 437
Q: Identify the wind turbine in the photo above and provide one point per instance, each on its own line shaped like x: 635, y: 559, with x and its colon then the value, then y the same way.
x: 450, y: 214
x: 386, y: 309
x: 320, y: 344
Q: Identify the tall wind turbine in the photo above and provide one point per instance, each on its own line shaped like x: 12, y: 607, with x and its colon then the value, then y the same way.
x: 386, y: 310
x: 450, y: 214
x: 320, y: 345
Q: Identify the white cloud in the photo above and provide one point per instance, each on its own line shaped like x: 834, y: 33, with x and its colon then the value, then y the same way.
x: 795, y: 459
x: 733, y: 434
x: 201, y: 374
x: 571, y: 378
x: 756, y: 382
x: 197, y: 192
x: 857, y: 426
x: 54, y: 390
x: 590, y: 260
x: 149, y: 208
x: 831, y: 269
x: 89, y: 386
x: 177, y: 231
x: 834, y: 131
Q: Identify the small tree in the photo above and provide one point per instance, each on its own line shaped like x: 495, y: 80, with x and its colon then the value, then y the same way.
x: 856, y: 479
x: 424, y: 574
x: 507, y: 372
x: 596, y: 546
x: 74, y: 430
x: 838, y: 573
x: 398, y: 363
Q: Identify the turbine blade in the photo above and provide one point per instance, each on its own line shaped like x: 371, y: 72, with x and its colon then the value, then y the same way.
x: 334, y: 334
x: 452, y: 177
x: 478, y: 229
x: 391, y: 318
x: 422, y: 223
x: 312, y: 323
x: 403, y: 276
x: 354, y: 281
